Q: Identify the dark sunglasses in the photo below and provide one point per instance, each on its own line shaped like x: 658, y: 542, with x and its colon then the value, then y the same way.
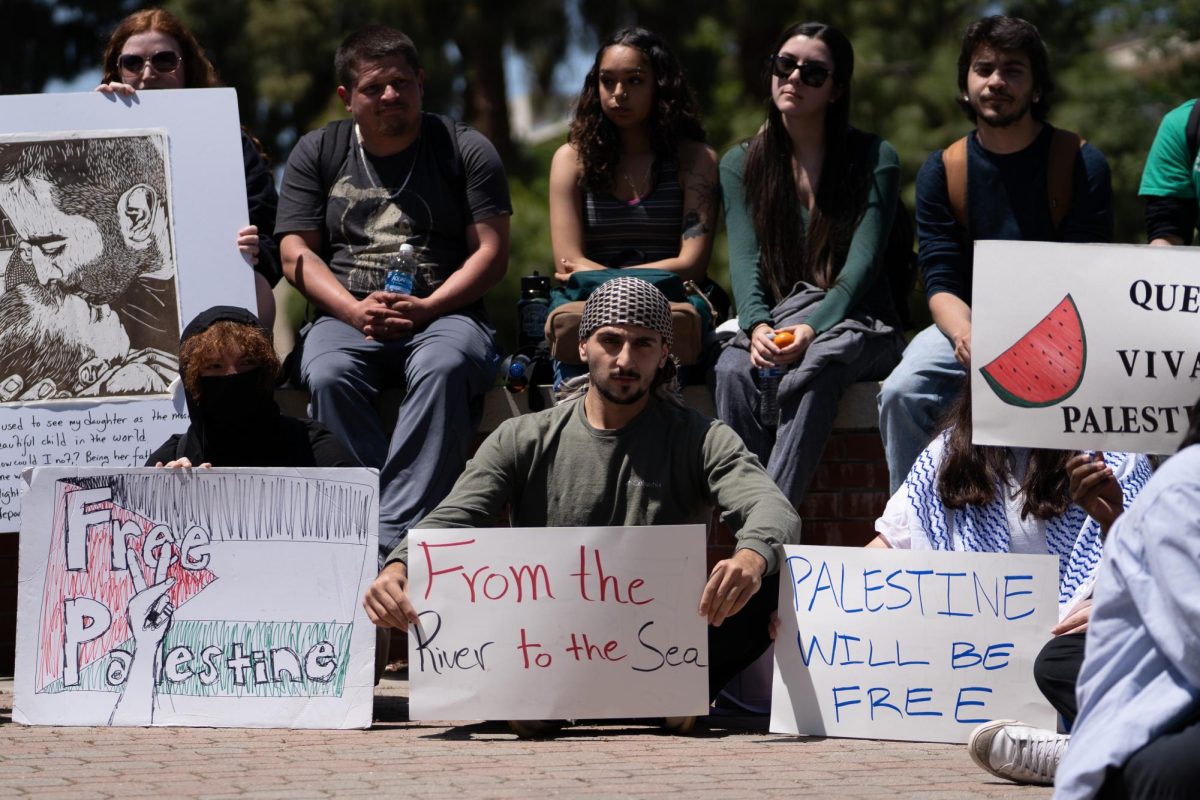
x: 162, y: 61
x: 811, y: 74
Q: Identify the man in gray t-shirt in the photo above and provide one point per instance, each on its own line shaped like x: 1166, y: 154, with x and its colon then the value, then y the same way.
x: 352, y: 193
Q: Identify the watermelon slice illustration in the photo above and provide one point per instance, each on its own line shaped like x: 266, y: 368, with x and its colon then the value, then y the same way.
x: 1045, y: 366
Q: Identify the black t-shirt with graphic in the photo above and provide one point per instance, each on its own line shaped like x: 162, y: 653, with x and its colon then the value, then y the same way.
x: 377, y: 204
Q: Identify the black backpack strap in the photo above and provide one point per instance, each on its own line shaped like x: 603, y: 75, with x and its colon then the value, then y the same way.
x: 332, y: 153
x: 1193, y: 130
x: 444, y: 143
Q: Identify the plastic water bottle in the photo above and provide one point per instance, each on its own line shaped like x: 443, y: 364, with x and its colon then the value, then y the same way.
x: 402, y: 271
x: 768, y: 393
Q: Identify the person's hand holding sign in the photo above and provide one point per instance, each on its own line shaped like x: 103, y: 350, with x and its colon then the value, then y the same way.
x: 731, y: 584
x: 387, y: 602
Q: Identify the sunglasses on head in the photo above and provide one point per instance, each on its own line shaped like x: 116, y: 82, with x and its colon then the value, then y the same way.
x: 811, y: 74
x: 162, y: 61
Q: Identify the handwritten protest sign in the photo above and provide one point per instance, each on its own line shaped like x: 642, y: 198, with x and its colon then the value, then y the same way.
x: 911, y: 645
x: 224, y: 597
x: 104, y: 403
x: 1084, y: 347
x: 552, y: 623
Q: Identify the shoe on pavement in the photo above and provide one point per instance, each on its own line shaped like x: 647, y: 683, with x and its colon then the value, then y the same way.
x: 1016, y: 752
x: 536, y: 728
x: 679, y: 726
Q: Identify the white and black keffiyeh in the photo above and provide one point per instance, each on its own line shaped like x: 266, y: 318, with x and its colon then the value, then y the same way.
x: 627, y: 301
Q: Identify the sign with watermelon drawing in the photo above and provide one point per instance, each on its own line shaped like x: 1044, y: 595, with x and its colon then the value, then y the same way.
x: 1084, y: 346
x: 222, y: 597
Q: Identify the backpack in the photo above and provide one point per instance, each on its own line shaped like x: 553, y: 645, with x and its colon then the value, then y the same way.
x: 334, y: 149
x: 1060, y: 174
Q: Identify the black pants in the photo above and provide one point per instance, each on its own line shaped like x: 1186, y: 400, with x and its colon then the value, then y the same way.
x: 1166, y: 768
x: 1056, y: 671
x: 742, y: 638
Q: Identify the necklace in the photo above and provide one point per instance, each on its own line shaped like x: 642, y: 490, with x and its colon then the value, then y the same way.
x: 637, y: 195
x: 371, y: 176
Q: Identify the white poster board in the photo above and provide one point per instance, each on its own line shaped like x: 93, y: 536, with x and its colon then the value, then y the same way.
x: 1084, y: 346
x: 557, y: 623
x: 911, y: 645
x: 207, y: 206
x: 224, y: 597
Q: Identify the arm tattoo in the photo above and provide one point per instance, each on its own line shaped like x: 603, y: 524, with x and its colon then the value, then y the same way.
x: 693, y: 224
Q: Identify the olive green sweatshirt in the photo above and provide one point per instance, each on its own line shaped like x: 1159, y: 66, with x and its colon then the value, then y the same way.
x: 669, y: 466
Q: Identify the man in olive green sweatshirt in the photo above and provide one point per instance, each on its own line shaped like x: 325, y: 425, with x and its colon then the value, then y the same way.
x: 623, y: 452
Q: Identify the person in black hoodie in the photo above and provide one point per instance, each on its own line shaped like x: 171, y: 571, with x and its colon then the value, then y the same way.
x: 228, y: 366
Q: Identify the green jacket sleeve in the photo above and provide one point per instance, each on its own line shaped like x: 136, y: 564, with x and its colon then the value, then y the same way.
x: 748, y: 292
x: 758, y: 513
x: 864, y: 260
x: 480, y: 493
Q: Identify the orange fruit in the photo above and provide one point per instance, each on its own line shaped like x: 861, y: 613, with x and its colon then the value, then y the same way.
x: 784, y: 338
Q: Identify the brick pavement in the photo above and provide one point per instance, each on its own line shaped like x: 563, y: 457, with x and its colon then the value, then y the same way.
x: 728, y: 758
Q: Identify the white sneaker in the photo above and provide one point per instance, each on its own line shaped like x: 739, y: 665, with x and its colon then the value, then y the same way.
x: 1016, y: 752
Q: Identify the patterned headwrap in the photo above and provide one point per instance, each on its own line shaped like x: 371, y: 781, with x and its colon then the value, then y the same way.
x: 627, y: 301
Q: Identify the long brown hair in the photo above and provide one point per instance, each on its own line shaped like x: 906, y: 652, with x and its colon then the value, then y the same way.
x: 198, y: 71
x: 674, y: 117
x: 970, y: 473
x: 789, y: 252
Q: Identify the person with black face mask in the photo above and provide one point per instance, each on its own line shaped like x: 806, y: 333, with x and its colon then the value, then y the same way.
x: 229, y: 367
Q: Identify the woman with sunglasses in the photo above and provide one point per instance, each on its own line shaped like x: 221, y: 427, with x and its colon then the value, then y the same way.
x: 809, y: 202
x: 152, y: 49
x: 635, y: 186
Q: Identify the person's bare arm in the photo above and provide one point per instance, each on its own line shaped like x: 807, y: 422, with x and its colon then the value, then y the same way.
x: 953, y: 318
x: 879, y: 541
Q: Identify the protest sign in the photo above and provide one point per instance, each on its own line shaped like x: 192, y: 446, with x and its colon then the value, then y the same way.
x: 1083, y: 346
x: 156, y: 192
x: 222, y: 597
x: 911, y: 645
x: 554, y: 623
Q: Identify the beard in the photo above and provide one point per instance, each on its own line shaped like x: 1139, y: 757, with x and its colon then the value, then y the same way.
x: 618, y: 399
x: 998, y: 120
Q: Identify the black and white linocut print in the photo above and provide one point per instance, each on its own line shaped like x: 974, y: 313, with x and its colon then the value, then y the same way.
x: 89, y: 304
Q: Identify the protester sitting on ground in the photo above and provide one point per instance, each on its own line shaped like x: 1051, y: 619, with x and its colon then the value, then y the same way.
x: 57, y: 345
x: 1170, y: 181
x: 565, y: 467
x: 809, y: 203
x: 635, y: 186
x: 967, y: 497
x: 228, y: 367
x: 1023, y: 753
x: 151, y: 49
x: 1138, y: 729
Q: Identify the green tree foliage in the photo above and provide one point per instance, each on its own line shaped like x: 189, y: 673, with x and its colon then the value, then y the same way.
x: 279, y: 55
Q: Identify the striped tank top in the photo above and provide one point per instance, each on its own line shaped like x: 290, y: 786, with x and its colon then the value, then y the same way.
x: 617, y: 233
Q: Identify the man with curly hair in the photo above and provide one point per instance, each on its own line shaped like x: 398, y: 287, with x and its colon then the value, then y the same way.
x: 352, y: 194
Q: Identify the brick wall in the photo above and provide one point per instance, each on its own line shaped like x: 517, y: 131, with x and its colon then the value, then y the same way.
x: 8, y: 602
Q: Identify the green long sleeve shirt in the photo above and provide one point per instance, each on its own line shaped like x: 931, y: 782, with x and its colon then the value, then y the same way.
x: 669, y: 466
x: 863, y: 261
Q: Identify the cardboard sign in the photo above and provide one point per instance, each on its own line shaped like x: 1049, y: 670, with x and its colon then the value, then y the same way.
x: 554, y: 623
x: 172, y: 158
x: 223, y: 597
x: 917, y: 646
x: 1084, y: 347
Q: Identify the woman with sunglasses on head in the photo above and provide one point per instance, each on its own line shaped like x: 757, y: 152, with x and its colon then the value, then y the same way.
x: 809, y: 202
x: 635, y: 186
x: 151, y: 49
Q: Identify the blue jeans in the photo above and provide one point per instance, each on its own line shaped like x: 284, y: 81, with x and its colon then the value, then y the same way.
x: 445, y: 370
x: 913, y: 399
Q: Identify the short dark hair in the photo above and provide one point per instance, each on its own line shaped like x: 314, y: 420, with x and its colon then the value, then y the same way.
x: 1007, y: 33
x: 372, y: 43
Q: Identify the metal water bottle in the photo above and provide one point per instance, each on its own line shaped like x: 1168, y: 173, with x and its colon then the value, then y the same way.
x: 532, y: 310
